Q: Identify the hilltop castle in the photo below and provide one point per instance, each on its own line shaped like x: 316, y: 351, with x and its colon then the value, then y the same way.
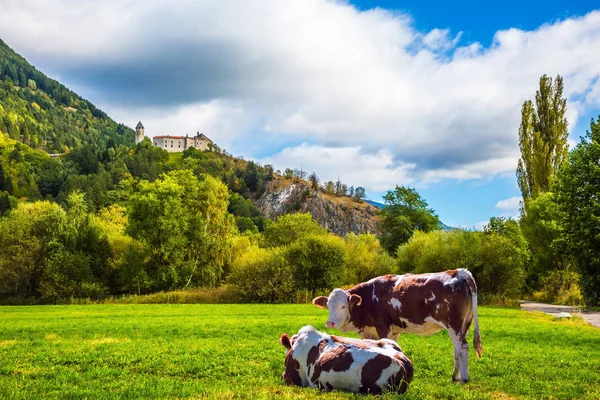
x: 174, y: 144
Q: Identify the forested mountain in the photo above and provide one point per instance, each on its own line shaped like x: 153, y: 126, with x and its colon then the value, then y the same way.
x: 43, y: 114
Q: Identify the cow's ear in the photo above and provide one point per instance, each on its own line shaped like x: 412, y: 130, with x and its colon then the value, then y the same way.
x: 284, y: 339
x: 354, y: 300
x: 320, y: 301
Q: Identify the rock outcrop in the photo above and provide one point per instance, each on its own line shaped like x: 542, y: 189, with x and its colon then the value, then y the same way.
x: 340, y: 215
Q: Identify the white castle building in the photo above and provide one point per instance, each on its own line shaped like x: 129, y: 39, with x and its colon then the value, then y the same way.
x: 174, y: 144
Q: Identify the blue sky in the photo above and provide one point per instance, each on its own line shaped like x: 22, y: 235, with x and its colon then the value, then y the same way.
x: 470, y: 202
x: 379, y: 93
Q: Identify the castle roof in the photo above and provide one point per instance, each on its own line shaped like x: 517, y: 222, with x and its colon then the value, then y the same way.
x: 203, y: 136
x: 169, y: 137
x: 139, y: 125
x: 200, y: 136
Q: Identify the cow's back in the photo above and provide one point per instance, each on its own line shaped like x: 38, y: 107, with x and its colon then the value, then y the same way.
x: 413, y: 303
x: 361, y: 366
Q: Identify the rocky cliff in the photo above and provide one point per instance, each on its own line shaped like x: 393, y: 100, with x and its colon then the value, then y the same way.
x: 340, y: 215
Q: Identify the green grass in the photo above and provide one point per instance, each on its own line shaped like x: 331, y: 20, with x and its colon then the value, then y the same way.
x: 176, y: 159
x: 232, y: 351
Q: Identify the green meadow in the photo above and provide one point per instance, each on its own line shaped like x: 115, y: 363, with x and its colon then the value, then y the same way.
x: 232, y: 351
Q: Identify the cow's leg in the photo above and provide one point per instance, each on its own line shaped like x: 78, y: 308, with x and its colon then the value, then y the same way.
x: 457, y: 350
x: 369, y: 333
x: 464, y: 360
x: 464, y: 354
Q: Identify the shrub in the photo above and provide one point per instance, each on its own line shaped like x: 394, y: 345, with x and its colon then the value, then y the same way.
x: 263, y: 275
x: 496, y: 263
x: 317, y: 261
x: 366, y: 258
x: 291, y: 227
x: 560, y: 287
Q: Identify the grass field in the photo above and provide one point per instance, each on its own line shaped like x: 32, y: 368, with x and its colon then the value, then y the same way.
x: 232, y: 351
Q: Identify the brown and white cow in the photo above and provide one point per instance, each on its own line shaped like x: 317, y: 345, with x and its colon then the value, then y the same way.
x: 329, y: 362
x: 389, y: 305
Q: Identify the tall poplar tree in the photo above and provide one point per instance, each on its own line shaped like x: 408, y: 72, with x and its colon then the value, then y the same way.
x: 542, y: 139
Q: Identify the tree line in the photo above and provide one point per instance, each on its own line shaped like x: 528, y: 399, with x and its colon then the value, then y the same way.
x: 108, y: 219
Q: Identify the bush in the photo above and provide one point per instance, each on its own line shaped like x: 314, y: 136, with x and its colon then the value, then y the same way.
x: 317, y: 262
x: 496, y: 263
x: 263, y: 275
x: 560, y: 287
x: 366, y: 258
x: 291, y: 227
x: 438, y: 251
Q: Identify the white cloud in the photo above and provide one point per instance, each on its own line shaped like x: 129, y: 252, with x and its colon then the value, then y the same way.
x: 509, y: 204
x: 407, y: 105
x: 221, y: 121
x: 353, y: 167
x: 509, y: 207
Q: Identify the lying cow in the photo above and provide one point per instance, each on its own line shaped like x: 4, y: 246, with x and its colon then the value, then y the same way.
x: 389, y: 305
x: 317, y: 359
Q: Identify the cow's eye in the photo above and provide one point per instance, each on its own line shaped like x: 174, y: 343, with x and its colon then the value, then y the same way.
x: 343, y: 307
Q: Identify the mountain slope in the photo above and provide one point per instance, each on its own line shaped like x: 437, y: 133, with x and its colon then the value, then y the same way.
x: 42, y: 113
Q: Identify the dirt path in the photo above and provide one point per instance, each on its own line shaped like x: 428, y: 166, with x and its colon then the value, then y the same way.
x: 590, y: 317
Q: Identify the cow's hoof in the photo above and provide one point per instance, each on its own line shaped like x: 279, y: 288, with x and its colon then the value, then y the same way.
x: 463, y: 381
x: 454, y: 380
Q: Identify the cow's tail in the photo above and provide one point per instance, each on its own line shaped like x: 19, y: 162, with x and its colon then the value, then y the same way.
x: 477, y: 336
x: 473, y: 289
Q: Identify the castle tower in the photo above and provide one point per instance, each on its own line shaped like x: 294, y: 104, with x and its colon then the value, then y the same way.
x: 139, y: 132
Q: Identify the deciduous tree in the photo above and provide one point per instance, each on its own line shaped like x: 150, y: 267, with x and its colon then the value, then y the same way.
x: 542, y: 139
x: 405, y: 211
x: 578, y: 194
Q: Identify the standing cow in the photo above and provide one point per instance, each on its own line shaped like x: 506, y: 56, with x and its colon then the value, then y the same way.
x: 389, y: 305
x: 328, y: 362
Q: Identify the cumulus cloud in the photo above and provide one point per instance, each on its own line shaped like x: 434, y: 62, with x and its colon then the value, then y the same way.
x: 365, y: 85
x: 509, y: 207
x: 372, y: 170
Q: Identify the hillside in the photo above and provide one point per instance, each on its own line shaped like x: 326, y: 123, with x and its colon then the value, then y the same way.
x: 38, y: 113
x: 42, y: 113
x: 340, y: 215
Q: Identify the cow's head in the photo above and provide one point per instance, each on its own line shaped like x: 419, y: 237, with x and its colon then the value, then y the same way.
x: 291, y: 374
x: 339, y: 303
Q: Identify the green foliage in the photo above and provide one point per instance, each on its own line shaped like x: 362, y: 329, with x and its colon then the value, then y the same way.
x: 405, y: 211
x: 560, y: 287
x: 7, y: 203
x: 366, y: 259
x: 248, y: 217
x: 42, y: 113
x: 263, y: 275
x: 147, y: 161
x: 291, y: 227
x: 543, y: 229
x: 317, y: 261
x: 288, y: 173
x: 577, y: 195
x: 184, y: 225
x: 27, y: 236
x: 25, y: 172
x: 542, y: 139
x: 497, y: 264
